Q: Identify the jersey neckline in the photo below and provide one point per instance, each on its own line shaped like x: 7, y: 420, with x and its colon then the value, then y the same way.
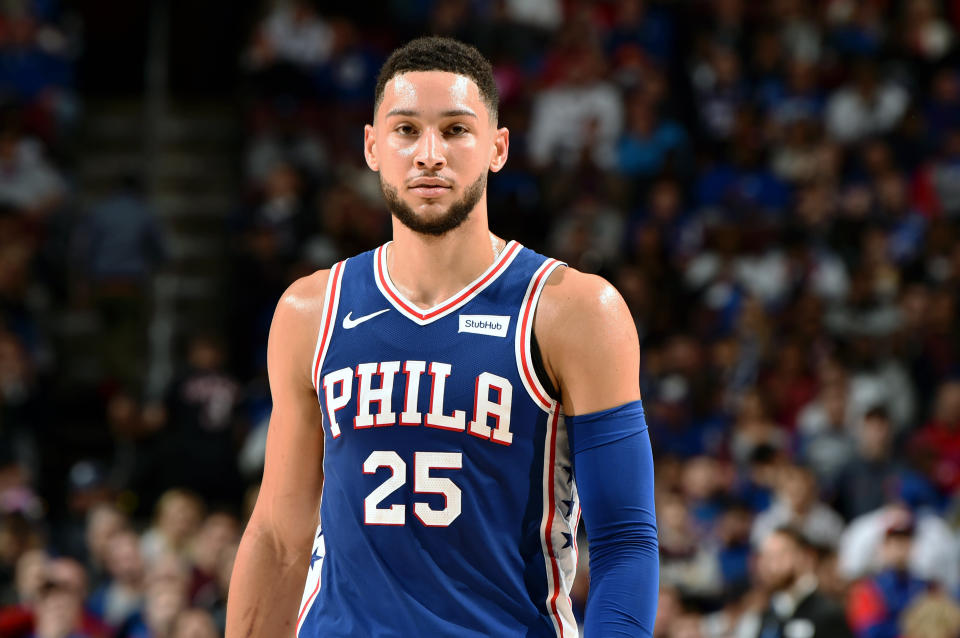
x: 456, y: 301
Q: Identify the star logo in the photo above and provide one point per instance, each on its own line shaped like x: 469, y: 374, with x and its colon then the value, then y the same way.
x: 569, y: 505
x: 568, y: 538
x: 314, y: 558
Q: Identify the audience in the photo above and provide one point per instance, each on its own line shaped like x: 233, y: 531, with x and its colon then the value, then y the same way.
x: 772, y: 186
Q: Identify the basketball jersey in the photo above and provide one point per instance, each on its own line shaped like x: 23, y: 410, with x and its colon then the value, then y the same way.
x: 449, y: 506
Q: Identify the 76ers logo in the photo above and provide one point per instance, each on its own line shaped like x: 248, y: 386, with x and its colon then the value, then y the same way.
x: 493, y: 397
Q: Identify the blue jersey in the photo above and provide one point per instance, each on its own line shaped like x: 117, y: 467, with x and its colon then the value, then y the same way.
x: 449, y: 506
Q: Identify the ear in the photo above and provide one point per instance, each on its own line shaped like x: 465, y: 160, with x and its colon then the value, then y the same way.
x: 370, y: 148
x: 501, y: 147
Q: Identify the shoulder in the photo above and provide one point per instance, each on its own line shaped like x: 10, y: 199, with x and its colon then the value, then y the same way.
x: 589, y: 341
x: 305, y: 295
x: 580, y: 297
x: 296, y: 321
x: 576, y: 308
x: 301, y: 304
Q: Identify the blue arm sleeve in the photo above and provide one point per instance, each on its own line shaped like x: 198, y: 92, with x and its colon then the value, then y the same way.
x: 613, y: 467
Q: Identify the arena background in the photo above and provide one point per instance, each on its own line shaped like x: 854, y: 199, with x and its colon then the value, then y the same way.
x: 774, y: 187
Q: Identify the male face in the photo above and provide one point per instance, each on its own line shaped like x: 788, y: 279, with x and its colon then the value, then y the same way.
x: 895, y: 550
x: 778, y: 562
x: 432, y: 141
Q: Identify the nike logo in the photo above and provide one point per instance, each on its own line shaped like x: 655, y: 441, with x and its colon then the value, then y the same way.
x: 353, y: 323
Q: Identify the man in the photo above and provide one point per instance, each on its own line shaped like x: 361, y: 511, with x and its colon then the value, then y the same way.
x: 449, y: 501
x: 876, y: 603
x: 786, y: 566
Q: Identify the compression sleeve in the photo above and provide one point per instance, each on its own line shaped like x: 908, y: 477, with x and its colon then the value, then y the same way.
x: 613, y: 467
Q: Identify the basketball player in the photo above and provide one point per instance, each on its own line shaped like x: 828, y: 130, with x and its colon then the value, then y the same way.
x: 457, y: 397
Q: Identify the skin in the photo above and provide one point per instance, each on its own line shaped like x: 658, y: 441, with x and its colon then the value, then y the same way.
x: 429, y: 124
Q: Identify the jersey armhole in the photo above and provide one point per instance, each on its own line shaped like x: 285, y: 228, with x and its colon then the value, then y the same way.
x: 532, y: 374
x: 541, y: 370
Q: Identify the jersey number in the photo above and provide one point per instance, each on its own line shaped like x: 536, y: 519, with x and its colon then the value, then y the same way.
x: 423, y: 483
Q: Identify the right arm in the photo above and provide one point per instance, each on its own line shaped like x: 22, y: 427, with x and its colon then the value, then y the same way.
x: 274, y: 554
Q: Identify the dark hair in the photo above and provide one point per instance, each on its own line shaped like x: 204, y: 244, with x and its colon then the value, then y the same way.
x: 434, y: 53
x: 801, y: 540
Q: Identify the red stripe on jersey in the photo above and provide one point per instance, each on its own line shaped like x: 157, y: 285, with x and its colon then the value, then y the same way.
x: 381, y: 257
x: 306, y: 605
x: 551, y: 505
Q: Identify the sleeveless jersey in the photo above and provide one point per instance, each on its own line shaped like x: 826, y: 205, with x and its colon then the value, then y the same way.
x: 449, y: 506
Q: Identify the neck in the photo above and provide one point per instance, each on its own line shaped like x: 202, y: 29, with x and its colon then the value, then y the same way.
x: 428, y: 269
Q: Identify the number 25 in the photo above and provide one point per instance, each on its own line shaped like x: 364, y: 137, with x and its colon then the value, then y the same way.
x: 423, y: 483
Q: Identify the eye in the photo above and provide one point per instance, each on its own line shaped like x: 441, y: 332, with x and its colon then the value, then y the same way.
x: 405, y: 129
x: 457, y: 129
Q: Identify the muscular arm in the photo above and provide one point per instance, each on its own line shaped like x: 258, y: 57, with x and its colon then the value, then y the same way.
x: 591, y: 352
x: 273, y: 557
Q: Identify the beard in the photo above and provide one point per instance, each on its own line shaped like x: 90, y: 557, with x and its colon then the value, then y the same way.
x: 456, y: 214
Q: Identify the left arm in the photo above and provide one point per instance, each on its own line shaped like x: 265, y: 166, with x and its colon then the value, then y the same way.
x: 591, y: 353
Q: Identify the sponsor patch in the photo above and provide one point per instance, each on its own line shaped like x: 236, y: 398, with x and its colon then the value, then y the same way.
x: 490, y: 325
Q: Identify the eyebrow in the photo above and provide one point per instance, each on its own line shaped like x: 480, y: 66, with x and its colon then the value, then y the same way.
x: 450, y: 113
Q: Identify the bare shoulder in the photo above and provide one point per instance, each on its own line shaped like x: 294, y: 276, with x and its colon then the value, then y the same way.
x: 588, y: 340
x: 304, y: 297
x: 576, y: 298
x: 296, y: 320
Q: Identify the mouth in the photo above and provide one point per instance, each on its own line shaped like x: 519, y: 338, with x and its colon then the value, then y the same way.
x: 429, y: 188
x: 429, y: 192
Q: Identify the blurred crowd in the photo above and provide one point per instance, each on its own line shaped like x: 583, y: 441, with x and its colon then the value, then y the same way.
x: 774, y: 187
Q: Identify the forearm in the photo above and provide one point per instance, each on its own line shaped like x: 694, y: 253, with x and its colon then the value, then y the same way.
x: 623, y: 584
x: 613, y: 466
x: 265, y: 588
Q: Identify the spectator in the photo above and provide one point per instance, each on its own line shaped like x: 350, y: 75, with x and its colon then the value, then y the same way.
x: 870, y: 479
x: 685, y: 562
x: 876, y: 603
x: 122, y: 595
x: 925, y: 34
x: 59, y: 612
x: 829, y: 450
x: 178, y: 516
x: 291, y: 33
x: 867, y: 106
x: 797, y: 607
x: 934, y: 555
x: 219, y: 532
x: 193, y: 623
x: 203, y: 430
x: 103, y: 522
x: 649, y: 144
x: 28, y: 181
x: 797, y: 505
x: 720, y: 90
x: 933, y: 615
x: 581, y: 114
x: 940, y: 437
x: 120, y: 245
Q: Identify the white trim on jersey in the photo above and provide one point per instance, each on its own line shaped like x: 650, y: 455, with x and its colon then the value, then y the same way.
x: 552, y: 525
x: 312, y: 586
x: 523, y: 335
x: 331, y: 302
x: 457, y: 301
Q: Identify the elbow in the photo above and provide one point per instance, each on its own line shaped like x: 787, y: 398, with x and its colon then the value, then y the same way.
x: 289, y: 543
x: 635, y: 543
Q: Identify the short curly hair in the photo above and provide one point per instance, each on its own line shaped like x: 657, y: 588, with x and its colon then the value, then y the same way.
x: 434, y: 53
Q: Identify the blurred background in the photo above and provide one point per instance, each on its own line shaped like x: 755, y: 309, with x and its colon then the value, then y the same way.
x: 774, y: 187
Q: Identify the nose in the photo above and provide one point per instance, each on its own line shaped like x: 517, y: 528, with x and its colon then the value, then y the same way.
x: 429, y: 156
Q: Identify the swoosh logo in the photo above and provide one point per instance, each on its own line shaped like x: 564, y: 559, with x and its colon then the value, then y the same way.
x: 353, y: 323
